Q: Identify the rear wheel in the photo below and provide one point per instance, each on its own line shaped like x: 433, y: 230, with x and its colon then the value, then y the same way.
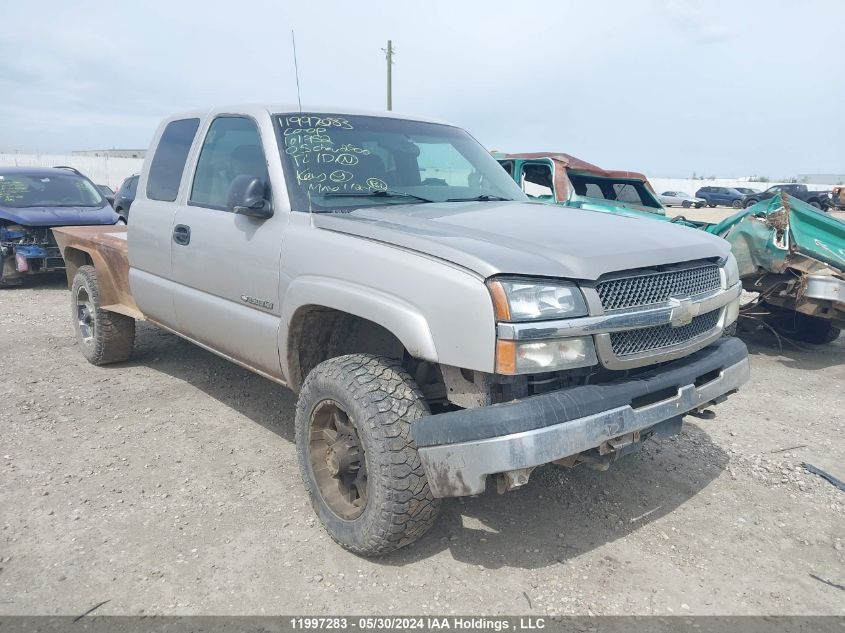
x: 749, y: 203
x: 358, y: 460
x: 816, y: 203
x: 103, y: 336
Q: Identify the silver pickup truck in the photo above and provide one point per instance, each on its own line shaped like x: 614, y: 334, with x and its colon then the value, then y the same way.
x: 440, y: 329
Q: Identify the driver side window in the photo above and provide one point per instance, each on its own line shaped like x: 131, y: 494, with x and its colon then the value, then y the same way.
x: 231, y: 148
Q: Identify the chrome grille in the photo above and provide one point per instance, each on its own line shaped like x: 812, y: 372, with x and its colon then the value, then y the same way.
x: 641, y: 290
x: 655, y: 338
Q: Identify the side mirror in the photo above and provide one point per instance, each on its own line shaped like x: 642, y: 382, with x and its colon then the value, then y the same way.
x: 246, y: 197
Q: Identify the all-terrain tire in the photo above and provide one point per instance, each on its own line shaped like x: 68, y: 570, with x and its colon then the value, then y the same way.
x: 381, y: 401
x: 103, y: 336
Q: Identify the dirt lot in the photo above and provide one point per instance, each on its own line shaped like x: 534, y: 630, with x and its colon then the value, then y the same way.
x: 169, y: 485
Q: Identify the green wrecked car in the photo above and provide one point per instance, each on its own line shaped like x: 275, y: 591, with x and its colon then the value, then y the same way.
x: 789, y: 253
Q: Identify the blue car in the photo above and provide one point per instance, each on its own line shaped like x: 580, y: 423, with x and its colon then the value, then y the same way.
x: 726, y: 196
x: 34, y: 199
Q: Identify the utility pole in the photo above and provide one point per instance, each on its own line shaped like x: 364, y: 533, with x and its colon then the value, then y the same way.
x: 389, y: 53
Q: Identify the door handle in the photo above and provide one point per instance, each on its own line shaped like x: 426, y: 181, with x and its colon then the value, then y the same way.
x: 182, y: 234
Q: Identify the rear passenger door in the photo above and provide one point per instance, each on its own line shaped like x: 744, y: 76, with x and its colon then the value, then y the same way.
x: 227, y: 265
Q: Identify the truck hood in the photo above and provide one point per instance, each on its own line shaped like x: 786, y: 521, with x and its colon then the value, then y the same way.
x: 58, y: 216
x: 526, y: 238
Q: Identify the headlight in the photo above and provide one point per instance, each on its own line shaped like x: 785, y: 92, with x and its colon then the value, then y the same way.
x: 731, y: 271
x: 526, y: 300
x: 531, y: 357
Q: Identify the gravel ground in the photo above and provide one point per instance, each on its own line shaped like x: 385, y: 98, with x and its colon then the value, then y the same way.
x: 169, y: 485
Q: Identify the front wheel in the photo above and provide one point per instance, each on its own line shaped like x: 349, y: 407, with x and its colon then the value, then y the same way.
x: 357, y: 457
x: 736, y: 204
x: 686, y: 204
x: 103, y: 336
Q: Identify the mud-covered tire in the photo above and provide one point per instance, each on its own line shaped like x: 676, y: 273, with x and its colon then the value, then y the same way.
x: 103, y: 336
x: 382, y: 402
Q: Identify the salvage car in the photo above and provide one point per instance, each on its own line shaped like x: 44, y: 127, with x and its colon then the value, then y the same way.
x: 680, y: 199
x: 32, y: 200
x: 727, y: 196
x: 747, y: 191
x: 817, y: 199
x: 791, y: 255
x: 125, y: 196
x: 440, y: 329
x: 837, y: 198
x: 108, y: 193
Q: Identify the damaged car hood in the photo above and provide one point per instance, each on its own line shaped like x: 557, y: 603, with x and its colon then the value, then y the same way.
x: 58, y: 216
x: 526, y: 238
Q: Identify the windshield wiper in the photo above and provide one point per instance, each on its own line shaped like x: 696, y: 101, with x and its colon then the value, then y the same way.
x: 378, y: 193
x: 484, y: 197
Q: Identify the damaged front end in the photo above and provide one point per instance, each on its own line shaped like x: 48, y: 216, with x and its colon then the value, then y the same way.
x: 793, y: 256
x: 26, y: 250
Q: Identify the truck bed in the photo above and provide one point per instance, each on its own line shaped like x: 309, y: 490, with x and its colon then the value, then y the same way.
x: 106, y: 248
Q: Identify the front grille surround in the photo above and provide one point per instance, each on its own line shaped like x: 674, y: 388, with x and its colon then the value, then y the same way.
x: 650, y: 288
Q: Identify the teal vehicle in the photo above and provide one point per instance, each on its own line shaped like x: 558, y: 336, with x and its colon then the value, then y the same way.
x: 789, y: 253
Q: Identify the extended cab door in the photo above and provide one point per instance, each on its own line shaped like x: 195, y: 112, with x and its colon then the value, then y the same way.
x: 227, y: 264
x: 153, y: 212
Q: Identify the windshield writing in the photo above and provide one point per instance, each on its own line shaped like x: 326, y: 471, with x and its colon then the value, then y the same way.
x: 327, y: 155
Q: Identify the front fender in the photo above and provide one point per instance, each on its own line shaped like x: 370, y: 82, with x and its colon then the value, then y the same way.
x: 400, y: 318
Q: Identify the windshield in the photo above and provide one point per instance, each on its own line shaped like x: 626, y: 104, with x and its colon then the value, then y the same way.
x: 339, y: 162
x: 53, y: 190
x: 627, y: 192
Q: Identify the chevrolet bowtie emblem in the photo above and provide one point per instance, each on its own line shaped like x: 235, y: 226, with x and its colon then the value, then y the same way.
x: 683, y: 311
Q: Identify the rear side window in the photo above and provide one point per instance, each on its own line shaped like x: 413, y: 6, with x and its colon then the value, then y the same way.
x: 169, y: 159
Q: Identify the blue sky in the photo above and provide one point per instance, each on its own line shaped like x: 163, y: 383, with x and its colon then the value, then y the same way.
x: 662, y: 86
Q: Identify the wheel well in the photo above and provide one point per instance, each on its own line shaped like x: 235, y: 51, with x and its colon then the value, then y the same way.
x: 74, y: 258
x: 318, y: 333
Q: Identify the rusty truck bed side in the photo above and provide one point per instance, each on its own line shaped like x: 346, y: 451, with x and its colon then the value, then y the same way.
x: 104, y: 247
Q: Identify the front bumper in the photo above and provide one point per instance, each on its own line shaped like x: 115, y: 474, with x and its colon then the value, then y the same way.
x: 826, y: 288
x: 459, y: 449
